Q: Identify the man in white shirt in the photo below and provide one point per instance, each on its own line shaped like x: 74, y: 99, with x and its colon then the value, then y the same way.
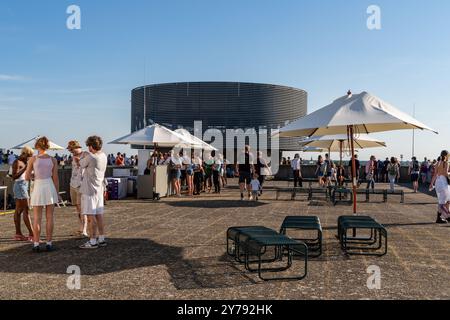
x: 93, y: 165
x: 296, y: 166
x: 74, y: 148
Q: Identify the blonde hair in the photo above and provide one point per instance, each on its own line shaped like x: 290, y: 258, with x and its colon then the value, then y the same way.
x: 27, y: 152
x: 42, y: 144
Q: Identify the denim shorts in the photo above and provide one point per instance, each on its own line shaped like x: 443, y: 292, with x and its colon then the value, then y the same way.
x: 175, y: 174
x: 21, y: 190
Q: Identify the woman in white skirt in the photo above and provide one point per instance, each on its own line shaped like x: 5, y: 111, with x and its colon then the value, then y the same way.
x: 440, y: 182
x: 43, y: 169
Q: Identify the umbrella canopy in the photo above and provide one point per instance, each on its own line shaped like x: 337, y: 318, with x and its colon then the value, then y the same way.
x: 154, y: 135
x: 32, y: 142
x: 336, y: 143
x: 365, y: 112
x: 196, y: 143
x: 352, y: 115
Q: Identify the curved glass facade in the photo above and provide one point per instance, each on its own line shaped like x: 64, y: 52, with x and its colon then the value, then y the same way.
x: 219, y: 105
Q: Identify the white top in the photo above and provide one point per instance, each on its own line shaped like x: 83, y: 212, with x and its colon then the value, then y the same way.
x: 75, y: 179
x: 11, y: 159
x: 93, y: 168
x: 186, y: 160
x: 255, y: 185
x: 197, y: 162
x: 22, y: 177
x: 296, y: 164
x: 175, y: 160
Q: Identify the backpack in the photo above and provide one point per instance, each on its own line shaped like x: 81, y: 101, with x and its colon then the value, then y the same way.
x: 415, y: 166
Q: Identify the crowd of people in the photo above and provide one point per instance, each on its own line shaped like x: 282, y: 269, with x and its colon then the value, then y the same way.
x: 209, y: 172
x: 122, y: 160
x: 36, y: 185
x: 433, y: 174
x: 374, y: 171
x: 195, y: 173
x: 36, y: 182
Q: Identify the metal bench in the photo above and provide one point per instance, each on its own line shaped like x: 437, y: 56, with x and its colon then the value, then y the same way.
x: 400, y: 193
x: 296, y: 191
x: 374, y: 245
x: 305, y: 223
x: 348, y: 193
x: 323, y: 191
x: 254, y: 242
x: 257, y: 245
x: 236, y: 236
x: 384, y: 192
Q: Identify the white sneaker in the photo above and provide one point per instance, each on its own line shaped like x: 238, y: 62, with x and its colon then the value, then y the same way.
x: 250, y: 198
x: 89, y: 245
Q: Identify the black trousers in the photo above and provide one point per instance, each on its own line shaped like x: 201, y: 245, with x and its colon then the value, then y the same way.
x: 297, y: 179
x: 261, y: 179
x: 216, y: 181
x: 198, y: 179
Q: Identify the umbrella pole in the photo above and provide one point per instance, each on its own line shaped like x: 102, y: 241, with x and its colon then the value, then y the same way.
x: 350, y: 133
x: 340, y: 152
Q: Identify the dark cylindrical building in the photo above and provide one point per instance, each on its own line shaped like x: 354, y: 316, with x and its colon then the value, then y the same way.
x: 219, y: 105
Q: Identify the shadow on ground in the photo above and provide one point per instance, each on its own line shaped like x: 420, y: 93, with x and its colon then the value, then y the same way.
x: 126, y: 254
x: 216, y: 204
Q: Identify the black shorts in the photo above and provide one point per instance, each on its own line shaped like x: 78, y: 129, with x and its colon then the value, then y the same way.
x: 414, y: 177
x: 245, y: 177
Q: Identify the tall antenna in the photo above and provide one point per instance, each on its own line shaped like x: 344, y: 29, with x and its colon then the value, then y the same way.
x: 145, y: 92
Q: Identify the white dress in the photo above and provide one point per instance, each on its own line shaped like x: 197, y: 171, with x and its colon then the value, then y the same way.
x: 442, y: 190
x: 44, y: 191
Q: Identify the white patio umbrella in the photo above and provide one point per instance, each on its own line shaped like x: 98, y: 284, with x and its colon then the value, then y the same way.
x: 340, y: 142
x: 196, y: 143
x: 154, y: 135
x: 30, y: 143
x: 352, y: 114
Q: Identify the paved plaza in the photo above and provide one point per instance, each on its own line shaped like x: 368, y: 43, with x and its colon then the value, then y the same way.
x: 175, y: 249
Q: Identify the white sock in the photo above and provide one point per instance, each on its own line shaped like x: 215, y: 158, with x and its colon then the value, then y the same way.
x: 36, y: 244
x: 93, y: 241
x: 49, y: 243
x: 101, y: 238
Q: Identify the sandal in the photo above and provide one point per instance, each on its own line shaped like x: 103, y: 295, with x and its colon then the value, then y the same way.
x: 20, y: 237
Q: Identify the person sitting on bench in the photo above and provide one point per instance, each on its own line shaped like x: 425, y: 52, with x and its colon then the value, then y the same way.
x: 340, y: 173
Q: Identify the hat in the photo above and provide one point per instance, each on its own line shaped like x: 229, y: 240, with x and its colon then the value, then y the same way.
x: 73, y: 145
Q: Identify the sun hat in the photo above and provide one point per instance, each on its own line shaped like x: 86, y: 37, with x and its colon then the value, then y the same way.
x: 73, y: 145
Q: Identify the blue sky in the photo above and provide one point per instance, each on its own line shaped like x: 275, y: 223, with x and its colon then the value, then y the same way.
x: 72, y: 83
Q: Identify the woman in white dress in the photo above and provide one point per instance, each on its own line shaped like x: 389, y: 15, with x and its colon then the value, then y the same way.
x: 43, y: 169
x: 440, y: 182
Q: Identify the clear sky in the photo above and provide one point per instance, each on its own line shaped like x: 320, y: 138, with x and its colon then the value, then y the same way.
x: 72, y: 83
